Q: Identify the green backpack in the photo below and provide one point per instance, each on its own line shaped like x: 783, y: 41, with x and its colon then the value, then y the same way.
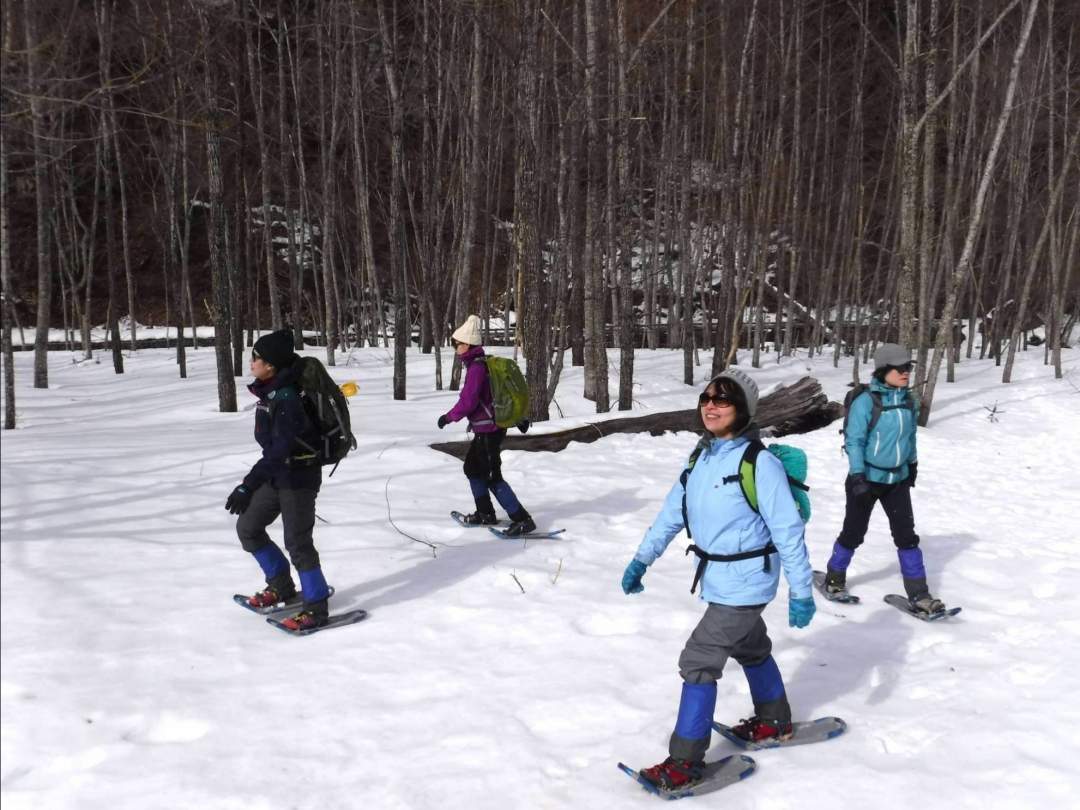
x: 328, y: 410
x: 509, y: 392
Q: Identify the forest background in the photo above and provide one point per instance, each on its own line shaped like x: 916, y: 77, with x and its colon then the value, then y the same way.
x: 760, y: 174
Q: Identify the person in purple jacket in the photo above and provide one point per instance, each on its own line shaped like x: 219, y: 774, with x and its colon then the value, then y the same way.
x: 483, y: 466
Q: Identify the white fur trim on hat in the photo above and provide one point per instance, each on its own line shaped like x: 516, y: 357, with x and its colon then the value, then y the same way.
x: 469, y: 332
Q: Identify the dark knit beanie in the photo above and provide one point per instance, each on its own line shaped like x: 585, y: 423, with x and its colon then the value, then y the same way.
x: 276, y: 348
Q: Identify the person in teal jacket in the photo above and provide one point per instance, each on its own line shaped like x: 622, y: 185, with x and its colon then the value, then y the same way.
x: 709, y: 503
x: 879, y: 438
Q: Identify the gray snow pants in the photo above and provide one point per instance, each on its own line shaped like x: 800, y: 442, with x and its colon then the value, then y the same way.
x: 724, y: 632
x: 297, y: 510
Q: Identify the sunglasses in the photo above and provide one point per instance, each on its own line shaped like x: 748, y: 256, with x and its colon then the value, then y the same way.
x: 904, y: 369
x: 718, y: 401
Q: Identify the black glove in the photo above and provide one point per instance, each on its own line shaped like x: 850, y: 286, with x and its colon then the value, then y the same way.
x: 442, y: 421
x: 239, y: 500
x: 859, y: 485
x: 524, y: 425
x: 913, y: 470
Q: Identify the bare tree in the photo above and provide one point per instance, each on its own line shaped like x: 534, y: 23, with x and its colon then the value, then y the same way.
x: 963, y: 266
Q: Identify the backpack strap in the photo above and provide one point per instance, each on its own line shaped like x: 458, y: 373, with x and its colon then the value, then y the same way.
x: 705, y: 558
x: 875, y: 409
x: 694, y: 454
x: 489, y: 411
x: 748, y: 473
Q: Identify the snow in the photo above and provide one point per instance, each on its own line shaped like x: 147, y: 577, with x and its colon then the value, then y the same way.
x: 130, y: 680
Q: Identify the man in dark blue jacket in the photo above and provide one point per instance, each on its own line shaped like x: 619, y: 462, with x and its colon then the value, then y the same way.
x: 284, y: 481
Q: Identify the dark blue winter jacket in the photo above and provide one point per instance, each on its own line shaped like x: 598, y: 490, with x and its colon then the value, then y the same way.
x: 286, y: 435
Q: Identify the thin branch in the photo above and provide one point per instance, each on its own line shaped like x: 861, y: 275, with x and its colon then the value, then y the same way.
x: 389, y: 517
x: 956, y: 75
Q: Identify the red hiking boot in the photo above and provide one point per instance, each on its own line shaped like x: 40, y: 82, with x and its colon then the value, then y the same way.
x: 758, y: 730
x: 674, y: 774
x: 268, y: 598
x: 304, y: 620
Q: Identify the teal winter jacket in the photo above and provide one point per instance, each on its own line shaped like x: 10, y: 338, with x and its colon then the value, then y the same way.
x: 722, y: 522
x: 884, y: 453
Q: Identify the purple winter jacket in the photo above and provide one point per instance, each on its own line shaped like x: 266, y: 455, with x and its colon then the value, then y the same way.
x: 475, y: 402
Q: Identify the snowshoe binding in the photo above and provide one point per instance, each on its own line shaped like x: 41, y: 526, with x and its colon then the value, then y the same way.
x: 759, y: 730
x: 674, y: 774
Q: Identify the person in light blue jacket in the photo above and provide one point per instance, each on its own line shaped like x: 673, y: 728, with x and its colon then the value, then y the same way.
x: 741, y: 552
x: 883, y: 462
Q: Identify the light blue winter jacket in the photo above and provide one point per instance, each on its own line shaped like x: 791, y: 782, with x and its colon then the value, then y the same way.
x: 883, y: 454
x: 722, y: 522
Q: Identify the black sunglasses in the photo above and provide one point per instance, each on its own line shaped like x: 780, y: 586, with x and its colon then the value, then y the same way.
x: 904, y: 369
x: 718, y: 400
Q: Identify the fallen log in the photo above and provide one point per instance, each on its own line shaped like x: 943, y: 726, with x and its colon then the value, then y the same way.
x: 798, y: 408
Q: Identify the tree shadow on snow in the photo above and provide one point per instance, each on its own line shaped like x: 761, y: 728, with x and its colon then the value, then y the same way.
x: 431, y: 574
x: 618, y: 502
x: 938, y: 550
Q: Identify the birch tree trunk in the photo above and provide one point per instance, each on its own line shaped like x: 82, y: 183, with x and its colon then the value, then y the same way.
x: 594, y: 300
x: 42, y: 194
x: 963, y: 267
x: 216, y: 225
x: 255, y: 79
x: 5, y: 287
x: 398, y: 274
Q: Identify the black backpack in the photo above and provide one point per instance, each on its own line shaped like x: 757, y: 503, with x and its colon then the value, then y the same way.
x: 876, y: 407
x: 328, y: 410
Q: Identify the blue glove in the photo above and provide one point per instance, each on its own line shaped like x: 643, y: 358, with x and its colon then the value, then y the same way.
x: 800, y: 611
x: 442, y: 421
x: 239, y: 500
x: 631, y: 578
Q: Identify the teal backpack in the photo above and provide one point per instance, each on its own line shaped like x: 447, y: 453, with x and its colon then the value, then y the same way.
x: 795, y: 465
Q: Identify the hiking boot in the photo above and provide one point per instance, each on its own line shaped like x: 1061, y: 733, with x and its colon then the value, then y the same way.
x: 480, y: 519
x: 674, y: 774
x: 759, y: 730
x: 270, y: 597
x: 835, y: 581
x: 928, y: 604
x: 305, y: 620
x: 520, y: 527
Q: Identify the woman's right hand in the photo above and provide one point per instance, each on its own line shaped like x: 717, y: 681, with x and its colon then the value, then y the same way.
x: 631, y: 578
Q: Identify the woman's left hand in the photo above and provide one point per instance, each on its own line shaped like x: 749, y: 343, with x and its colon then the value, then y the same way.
x: 800, y: 611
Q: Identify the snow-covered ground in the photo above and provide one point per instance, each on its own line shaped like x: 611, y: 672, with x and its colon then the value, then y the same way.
x: 131, y: 680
